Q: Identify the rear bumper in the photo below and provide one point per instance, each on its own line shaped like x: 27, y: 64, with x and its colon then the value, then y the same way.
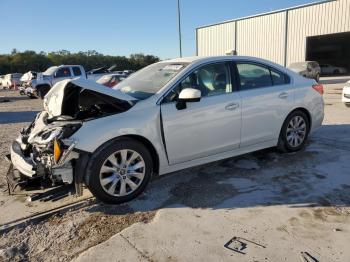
x: 23, y: 164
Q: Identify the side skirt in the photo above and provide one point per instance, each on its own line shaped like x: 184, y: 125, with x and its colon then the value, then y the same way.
x: 204, y: 160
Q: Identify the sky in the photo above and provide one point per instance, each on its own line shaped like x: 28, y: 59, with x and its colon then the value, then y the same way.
x: 118, y: 27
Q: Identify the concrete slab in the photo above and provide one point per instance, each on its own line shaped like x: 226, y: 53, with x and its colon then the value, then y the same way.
x: 276, y: 233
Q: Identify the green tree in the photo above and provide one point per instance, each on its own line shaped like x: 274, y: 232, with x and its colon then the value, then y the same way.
x: 21, y: 62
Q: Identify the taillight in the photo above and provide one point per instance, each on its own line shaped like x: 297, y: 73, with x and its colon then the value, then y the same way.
x: 318, y: 88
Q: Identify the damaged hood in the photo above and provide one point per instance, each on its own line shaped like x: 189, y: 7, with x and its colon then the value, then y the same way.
x: 63, y: 93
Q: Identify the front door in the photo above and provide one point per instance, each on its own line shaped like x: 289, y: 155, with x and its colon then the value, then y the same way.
x: 207, y: 127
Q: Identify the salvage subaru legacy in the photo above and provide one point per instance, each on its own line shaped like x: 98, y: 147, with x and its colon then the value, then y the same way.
x: 168, y: 116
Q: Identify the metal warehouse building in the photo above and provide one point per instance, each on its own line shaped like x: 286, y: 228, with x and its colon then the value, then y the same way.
x: 318, y: 31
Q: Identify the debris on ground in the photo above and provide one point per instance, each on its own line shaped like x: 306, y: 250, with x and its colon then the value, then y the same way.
x: 306, y: 257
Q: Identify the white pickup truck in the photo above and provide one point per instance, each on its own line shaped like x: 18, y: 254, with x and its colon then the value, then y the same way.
x: 44, y: 81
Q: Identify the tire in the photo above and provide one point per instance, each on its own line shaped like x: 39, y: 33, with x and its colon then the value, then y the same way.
x: 286, y: 142
x: 317, y: 78
x: 42, y: 91
x: 347, y: 104
x: 111, y: 183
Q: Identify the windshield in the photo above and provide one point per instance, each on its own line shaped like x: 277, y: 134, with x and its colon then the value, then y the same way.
x: 50, y: 70
x: 150, y: 79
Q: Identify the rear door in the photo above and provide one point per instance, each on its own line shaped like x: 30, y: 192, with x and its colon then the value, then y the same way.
x: 267, y: 98
x: 207, y: 127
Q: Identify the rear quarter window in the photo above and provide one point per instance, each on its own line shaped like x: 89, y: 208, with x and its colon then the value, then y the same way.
x: 76, y: 71
x: 279, y: 78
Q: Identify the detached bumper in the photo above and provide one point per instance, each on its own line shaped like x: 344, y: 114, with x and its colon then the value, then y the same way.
x: 21, y: 163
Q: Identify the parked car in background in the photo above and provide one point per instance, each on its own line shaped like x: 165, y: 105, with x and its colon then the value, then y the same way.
x: 346, y: 94
x: 11, y: 80
x: 128, y: 72
x: 26, y: 81
x: 97, y: 73
x: 308, y: 69
x: 44, y: 81
x: 111, y: 80
x: 327, y: 69
x: 166, y: 117
x: 2, y: 78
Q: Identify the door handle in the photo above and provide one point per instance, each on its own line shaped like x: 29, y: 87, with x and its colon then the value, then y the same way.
x: 283, y: 95
x: 232, y: 106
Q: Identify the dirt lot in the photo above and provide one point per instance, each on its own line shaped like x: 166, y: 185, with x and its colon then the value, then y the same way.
x: 286, y: 202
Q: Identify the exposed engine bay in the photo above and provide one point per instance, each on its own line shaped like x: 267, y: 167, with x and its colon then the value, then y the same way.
x: 44, y: 151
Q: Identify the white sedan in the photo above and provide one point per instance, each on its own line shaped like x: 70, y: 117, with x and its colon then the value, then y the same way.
x: 168, y: 116
x: 346, y: 94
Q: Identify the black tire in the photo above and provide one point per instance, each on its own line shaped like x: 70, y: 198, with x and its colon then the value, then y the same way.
x: 347, y: 104
x: 283, y: 144
x: 92, y: 177
x: 42, y: 91
x: 317, y: 78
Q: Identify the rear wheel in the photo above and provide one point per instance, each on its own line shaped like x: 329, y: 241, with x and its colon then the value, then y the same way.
x: 294, y: 132
x: 119, y: 172
x: 317, y: 78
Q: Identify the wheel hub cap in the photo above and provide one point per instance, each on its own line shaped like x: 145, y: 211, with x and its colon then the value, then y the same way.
x: 122, y: 172
x: 296, y: 131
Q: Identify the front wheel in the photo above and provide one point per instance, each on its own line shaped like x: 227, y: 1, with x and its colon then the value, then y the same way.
x: 294, y: 132
x: 119, y: 172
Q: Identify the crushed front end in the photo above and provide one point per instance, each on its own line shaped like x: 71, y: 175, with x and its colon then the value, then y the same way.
x: 42, y: 152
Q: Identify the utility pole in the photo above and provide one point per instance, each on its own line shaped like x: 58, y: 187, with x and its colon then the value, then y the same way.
x: 179, y: 24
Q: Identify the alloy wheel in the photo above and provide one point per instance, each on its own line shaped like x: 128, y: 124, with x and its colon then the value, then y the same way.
x: 296, y: 131
x: 122, y: 172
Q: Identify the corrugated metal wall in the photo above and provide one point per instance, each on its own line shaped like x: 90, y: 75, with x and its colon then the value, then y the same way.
x: 264, y: 36
x: 216, y: 40
x: 328, y: 18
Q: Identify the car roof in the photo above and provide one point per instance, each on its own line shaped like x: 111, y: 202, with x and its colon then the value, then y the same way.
x: 192, y: 59
x: 68, y: 65
x: 207, y: 59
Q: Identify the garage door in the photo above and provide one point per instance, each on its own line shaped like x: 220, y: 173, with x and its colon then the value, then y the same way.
x: 331, y: 51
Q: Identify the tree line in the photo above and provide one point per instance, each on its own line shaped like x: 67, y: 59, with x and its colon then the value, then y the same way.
x: 21, y: 62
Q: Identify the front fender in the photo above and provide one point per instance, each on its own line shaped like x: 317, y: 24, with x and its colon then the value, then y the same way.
x: 144, y: 122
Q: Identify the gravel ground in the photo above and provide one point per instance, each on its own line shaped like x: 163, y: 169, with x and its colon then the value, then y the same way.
x: 15, y: 114
x: 61, y: 238
x: 265, y: 178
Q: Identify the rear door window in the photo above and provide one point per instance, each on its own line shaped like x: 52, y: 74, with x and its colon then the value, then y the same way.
x: 253, y: 76
x: 256, y: 76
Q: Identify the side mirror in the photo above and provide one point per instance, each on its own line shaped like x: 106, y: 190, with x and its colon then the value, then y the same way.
x: 188, y: 95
